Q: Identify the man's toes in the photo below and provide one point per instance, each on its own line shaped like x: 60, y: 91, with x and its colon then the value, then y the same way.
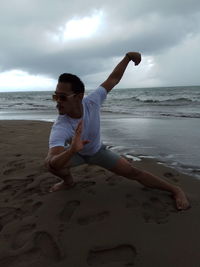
x: 52, y: 189
x: 60, y: 186
x: 182, y: 205
x: 179, y: 206
x: 186, y: 205
x: 56, y: 187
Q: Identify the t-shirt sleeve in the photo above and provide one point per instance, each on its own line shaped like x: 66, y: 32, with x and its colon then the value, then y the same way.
x: 58, y: 136
x: 98, y: 96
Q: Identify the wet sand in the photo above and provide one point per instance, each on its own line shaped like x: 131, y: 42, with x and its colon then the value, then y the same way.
x: 105, y: 220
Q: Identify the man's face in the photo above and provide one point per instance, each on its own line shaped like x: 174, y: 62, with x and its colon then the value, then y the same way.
x: 66, y: 99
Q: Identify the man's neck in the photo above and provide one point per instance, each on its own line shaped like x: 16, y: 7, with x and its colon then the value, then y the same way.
x: 77, y: 114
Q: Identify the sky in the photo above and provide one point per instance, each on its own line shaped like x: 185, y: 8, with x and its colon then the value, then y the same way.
x: 42, y: 39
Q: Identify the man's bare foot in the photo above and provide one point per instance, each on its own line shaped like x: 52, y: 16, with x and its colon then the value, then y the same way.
x: 181, y: 200
x: 61, y: 186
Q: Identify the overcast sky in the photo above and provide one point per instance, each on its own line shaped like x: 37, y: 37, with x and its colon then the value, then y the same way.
x: 40, y: 39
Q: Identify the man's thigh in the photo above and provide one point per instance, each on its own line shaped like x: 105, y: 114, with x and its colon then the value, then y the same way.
x: 75, y: 161
x: 104, y: 158
x: 124, y: 168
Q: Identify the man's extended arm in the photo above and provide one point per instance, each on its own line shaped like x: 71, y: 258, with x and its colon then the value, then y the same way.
x: 118, y: 71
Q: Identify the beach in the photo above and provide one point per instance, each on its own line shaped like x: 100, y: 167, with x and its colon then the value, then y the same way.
x: 105, y: 220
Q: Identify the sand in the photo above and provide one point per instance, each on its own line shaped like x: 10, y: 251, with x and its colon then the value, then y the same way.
x: 105, y: 220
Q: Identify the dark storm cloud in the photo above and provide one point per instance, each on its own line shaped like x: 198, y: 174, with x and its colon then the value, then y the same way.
x: 151, y: 27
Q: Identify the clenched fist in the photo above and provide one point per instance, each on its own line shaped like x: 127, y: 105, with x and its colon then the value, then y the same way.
x: 134, y: 56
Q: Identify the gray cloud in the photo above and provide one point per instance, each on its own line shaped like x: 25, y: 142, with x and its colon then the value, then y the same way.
x: 152, y: 27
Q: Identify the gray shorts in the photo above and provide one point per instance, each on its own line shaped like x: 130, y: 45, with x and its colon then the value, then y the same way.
x: 103, y: 157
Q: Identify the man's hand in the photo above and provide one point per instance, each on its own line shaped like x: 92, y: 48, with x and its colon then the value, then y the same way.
x: 134, y: 56
x: 78, y: 144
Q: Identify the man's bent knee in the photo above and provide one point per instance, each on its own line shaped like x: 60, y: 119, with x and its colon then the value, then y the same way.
x: 53, y: 170
x: 48, y: 165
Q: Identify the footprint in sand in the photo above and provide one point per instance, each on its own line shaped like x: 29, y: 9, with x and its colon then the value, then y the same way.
x: 31, y: 208
x: 18, y: 155
x: 25, y: 193
x: 31, y: 175
x: 22, y: 236
x: 86, y: 184
x: 44, y: 253
x: 8, y: 171
x: 155, y: 211
x: 124, y: 255
x: 8, y: 214
x: 15, y: 163
x: 131, y: 202
x: 47, y: 246
x: 15, y: 184
x: 15, y: 166
x: 68, y: 210
x: 36, y: 206
x: 93, y: 218
x: 5, y: 188
x: 32, y: 257
x: 28, y: 201
x: 91, y: 191
x: 171, y: 176
x: 113, y: 180
x: 27, y: 190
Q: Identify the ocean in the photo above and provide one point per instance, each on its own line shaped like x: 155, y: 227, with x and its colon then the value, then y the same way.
x: 162, y: 123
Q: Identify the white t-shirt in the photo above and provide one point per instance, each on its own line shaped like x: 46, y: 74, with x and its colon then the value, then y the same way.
x: 64, y: 127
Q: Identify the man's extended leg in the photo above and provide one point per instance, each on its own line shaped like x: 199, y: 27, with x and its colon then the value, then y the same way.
x: 124, y: 168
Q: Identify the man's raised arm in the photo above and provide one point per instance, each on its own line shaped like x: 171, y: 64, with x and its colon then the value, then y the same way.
x: 118, y: 71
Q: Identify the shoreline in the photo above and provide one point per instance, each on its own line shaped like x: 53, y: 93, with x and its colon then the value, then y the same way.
x: 104, y: 218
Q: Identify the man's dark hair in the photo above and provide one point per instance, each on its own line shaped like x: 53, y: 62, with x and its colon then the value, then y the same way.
x: 77, y: 84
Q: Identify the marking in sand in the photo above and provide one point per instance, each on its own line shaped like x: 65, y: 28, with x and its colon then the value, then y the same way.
x: 86, y: 184
x: 68, y: 210
x: 152, y: 209
x: 14, y: 186
x: 22, y: 236
x: 43, y: 252
x: 84, y: 220
x: 123, y: 254
x: 114, y: 180
x: 8, y: 214
x: 47, y: 246
x: 15, y: 166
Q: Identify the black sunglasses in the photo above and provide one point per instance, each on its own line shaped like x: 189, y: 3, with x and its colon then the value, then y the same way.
x: 61, y: 97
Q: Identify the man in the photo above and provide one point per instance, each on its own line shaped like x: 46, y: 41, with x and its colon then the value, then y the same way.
x: 78, y: 126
